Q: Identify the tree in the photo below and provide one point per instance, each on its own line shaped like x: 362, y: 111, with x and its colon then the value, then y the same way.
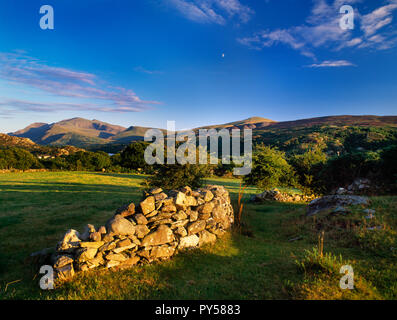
x: 175, y: 176
x: 133, y: 156
x: 16, y: 158
x: 307, y: 166
x: 270, y: 169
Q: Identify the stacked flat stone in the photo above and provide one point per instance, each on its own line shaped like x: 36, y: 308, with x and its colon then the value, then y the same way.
x: 155, y: 230
x: 277, y: 195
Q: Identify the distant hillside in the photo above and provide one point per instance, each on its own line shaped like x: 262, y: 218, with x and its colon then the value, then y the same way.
x: 288, y: 135
x: 250, y: 123
x: 7, y: 141
x: 81, y: 132
x: 366, y: 121
x: 10, y: 141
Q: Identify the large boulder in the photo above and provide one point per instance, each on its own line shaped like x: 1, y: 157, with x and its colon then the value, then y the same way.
x: 120, y: 225
x: 162, y: 235
x: 331, y: 202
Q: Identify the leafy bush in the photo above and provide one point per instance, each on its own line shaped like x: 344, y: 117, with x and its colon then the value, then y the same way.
x: 343, y: 170
x: 133, y: 156
x: 16, y: 158
x: 270, y: 169
x: 388, y: 165
x: 174, y: 176
x: 307, y: 167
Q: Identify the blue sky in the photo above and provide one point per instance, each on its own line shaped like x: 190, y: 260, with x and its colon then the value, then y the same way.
x: 197, y: 62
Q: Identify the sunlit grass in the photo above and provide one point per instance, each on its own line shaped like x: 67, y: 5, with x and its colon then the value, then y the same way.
x: 37, y: 208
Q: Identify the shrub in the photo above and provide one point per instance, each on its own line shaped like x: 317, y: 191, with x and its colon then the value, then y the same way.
x: 16, y: 158
x: 307, y: 167
x: 270, y: 169
x: 175, y: 176
x: 133, y: 156
x: 343, y: 170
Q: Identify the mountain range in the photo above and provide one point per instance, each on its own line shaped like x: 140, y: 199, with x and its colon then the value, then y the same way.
x: 94, y: 134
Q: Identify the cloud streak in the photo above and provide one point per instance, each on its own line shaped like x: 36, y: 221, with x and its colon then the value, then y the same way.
x: 212, y: 11
x: 329, y: 63
x: 18, y: 69
x: 321, y: 30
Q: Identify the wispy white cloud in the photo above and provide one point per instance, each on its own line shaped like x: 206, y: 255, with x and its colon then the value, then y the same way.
x: 321, y: 30
x: 330, y: 63
x: 55, y: 82
x: 212, y: 11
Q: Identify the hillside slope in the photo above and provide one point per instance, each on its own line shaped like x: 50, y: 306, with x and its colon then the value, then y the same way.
x: 95, y: 134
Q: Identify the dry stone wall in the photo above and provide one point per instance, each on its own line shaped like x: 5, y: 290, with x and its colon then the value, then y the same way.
x: 154, y: 230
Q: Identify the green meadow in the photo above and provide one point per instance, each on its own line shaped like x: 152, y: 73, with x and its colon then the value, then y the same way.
x: 271, y: 257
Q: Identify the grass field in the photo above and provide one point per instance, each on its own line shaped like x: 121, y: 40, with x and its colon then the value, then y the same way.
x: 37, y: 208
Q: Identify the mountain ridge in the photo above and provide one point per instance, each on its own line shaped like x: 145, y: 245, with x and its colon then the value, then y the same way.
x: 84, y: 133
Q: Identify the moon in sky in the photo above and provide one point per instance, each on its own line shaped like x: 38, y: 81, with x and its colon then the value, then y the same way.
x: 223, y: 55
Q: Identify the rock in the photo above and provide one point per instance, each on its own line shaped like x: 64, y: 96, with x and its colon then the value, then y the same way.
x: 188, y: 242
x: 170, y: 208
x: 141, y: 231
x: 107, y: 238
x: 187, y: 190
x: 162, y: 221
x: 116, y: 257
x: 69, y: 242
x: 140, y: 219
x: 204, y: 216
x: 135, y: 240
x: 156, y: 191
x: 88, y: 229
x: 102, y: 230
x: 152, y: 214
x: 108, y: 246
x: 144, y: 253
x: 65, y: 273
x: 62, y: 260
x: 85, y: 254
x: 206, y: 208
x: 120, y: 226
x: 196, y: 227
x: 126, y: 210
x: 193, y: 216
x: 179, y: 223
x: 112, y: 264
x: 162, y: 235
x: 180, y: 199
x: 190, y: 201
x: 148, y: 205
x: 181, y: 231
x: 95, y: 245
x: 341, y: 191
x: 181, y: 215
x: 208, y: 196
x: 333, y: 201
x: 122, y: 249
x: 206, y: 237
x: 96, y: 236
x: 341, y: 210
x: 96, y: 262
x: 124, y: 243
x: 160, y: 196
